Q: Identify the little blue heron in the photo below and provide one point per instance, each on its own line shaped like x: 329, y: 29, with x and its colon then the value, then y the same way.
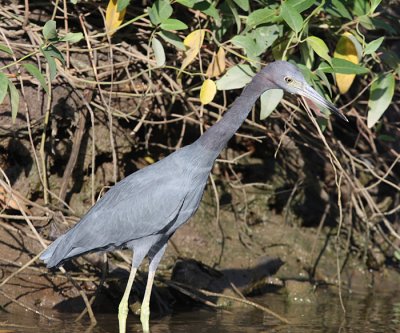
x: 143, y: 211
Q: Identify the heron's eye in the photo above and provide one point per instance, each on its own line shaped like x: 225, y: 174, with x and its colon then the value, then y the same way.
x: 288, y: 80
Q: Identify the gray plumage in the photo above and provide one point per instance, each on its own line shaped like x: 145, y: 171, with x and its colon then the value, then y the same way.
x: 144, y: 210
x: 148, y: 205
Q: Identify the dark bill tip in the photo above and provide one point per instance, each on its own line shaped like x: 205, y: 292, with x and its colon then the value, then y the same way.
x: 317, y: 98
x: 336, y: 111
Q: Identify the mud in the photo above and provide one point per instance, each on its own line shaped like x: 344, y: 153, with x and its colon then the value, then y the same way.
x: 273, y: 257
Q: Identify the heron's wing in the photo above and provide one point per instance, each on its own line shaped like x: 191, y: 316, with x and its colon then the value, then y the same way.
x: 143, y: 204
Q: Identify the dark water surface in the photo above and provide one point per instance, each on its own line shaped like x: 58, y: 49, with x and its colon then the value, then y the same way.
x: 364, y: 313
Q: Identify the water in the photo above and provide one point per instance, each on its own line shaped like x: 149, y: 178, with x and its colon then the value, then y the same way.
x: 364, y: 313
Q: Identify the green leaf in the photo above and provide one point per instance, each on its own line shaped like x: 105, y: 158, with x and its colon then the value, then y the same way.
x: 244, y: 4
x: 34, y: 71
x: 278, y: 50
x: 319, y: 47
x: 14, y: 98
x: 153, y: 15
x: 269, y: 101
x: 208, y: 9
x: 52, y: 51
x: 72, y: 37
x: 173, y: 24
x: 391, y: 59
x: 381, y: 95
x: 300, y: 5
x: 159, y: 52
x: 381, y: 24
x: 227, y: 21
x: 308, y: 75
x: 258, y: 40
x: 173, y: 39
x: 236, y: 77
x: 366, y: 22
x: 387, y: 138
x: 307, y: 55
x: 338, y: 9
x: 3, y: 86
x: 324, y: 80
x: 371, y: 47
x: 236, y: 16
x: 322, y: 122
x: 160, y: 11
x: 343, y: 67
x: 260, y: 16
x: 51, y: 62
x: 122, y: 4
x: 187, y: 3
x: 374, y: 5
x: 52, y: 66
x: 164, y: 9
x: 50, y: 30
x: 291, y: 17
x: 266, y: 36
x: 361, y: 7
x: 247, y: 43
x: 6, y: 49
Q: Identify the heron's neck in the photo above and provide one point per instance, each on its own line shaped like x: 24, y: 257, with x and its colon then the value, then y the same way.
x: 218, y: 135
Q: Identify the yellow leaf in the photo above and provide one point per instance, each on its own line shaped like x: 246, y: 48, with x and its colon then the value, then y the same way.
x: 217, y: 65
x: 193, y: 42
x: 207, y: 91
x: 149, y: 159
x: 113, y: 17
x: 346, y: 49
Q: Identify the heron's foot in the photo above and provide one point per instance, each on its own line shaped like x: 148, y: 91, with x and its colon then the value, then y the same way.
x: 122, y: 315
x: 144, y: 318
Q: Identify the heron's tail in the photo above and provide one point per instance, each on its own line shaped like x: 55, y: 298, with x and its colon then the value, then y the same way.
x: 48, y: 256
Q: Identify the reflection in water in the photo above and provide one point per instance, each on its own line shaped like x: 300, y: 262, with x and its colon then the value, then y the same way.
x: 367, y: 313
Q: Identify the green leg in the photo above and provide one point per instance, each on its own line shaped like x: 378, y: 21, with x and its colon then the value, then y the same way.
x: 123, y: 306
x: 145, y: 309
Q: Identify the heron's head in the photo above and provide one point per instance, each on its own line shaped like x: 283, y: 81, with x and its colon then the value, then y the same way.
x: 286, y: 76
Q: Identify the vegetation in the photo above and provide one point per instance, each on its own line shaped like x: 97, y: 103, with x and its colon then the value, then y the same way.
x: 92, y: 91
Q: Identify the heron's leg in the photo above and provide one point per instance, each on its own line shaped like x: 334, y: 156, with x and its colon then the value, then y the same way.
x: 145, y: 309
x: 123, y: 305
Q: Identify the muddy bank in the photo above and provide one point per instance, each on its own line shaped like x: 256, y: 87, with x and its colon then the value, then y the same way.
x: 230, y: 258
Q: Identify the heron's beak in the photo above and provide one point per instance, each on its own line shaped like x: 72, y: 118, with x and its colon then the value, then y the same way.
x: 310, y: 93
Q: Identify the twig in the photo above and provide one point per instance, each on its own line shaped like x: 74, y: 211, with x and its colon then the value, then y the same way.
x: 26, y: 307
x: 186, y: 292
x: 76, y: 145
x: 8, y: 278
x: 98, y: 290
x: 83, y: 295
x: 236, y: 299
x: 93, y: 63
